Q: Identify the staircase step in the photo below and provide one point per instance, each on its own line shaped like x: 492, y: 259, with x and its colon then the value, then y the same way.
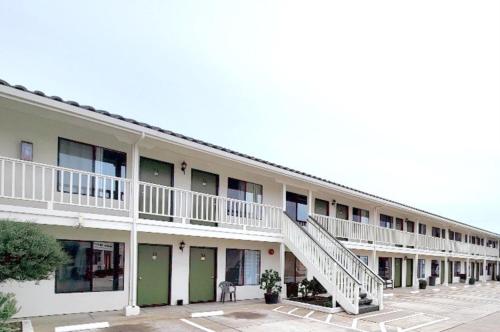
x: 365, y: 301
x: 363, y: 309
x: 362, y: 295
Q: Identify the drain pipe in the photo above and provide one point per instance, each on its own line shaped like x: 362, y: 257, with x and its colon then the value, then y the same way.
x: 132, y: 308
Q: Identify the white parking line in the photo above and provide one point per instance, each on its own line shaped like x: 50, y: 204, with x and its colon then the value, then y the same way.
x: 328, y: 318
x: 291, y: 311
x: 196, y: 325
x: 423, y: 325
x: 309, y: 314
x: 355, y: 320
x: 382, y: 324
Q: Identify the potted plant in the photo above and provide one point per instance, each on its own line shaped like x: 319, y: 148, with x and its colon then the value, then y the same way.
x: 270, y: 281
x: 472, y: 281
x: 498, y: 277
x: 422, y: 284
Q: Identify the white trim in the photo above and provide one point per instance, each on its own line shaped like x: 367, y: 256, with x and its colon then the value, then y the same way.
x: 207, y: 314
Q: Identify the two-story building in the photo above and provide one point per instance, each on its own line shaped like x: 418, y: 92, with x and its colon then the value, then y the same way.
x: 152, y: 217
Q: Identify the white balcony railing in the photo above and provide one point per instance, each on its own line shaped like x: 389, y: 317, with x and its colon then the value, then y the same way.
x: 35, y: 182
x: 194, y: 207
x: 355, y: 231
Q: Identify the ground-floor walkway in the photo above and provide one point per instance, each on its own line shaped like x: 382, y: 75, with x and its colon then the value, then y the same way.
x: 456, y: 308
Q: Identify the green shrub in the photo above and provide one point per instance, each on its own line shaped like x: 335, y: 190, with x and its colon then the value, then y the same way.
x: 8, y: 308
x: 270, y: 282
x: 472, y: 281
x: 26, y: 253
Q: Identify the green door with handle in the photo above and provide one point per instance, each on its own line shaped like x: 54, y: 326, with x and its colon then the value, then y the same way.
x: 204, y: 206
x: 398, y: 271
x: 450, y: 272
x: 153, y: 274
x: 409, y: 272
x: 202, y: 274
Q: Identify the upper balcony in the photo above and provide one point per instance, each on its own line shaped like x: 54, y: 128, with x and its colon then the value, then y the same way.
x: 367, y: 233
x: 36, y: 185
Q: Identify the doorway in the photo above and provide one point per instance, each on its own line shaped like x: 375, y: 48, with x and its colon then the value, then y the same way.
x: 202, y: 274
x: 296, y: 207
x: 153, y: 274
x: 398, y: 272
x: 443, y: 272
x: 154, y: 202
x: 450, y: 272
x: 409, y: 272
x: 204, y: 207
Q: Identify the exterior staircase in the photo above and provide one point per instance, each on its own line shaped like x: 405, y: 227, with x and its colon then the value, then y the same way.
x: 352, y: 284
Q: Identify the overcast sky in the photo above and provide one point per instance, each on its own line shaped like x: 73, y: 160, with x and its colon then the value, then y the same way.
x: 397, y: 98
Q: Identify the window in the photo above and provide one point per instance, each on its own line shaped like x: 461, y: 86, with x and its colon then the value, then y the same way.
x: 321, y: 207
x: 410, y: 226
x: 295, y: 271
x: 421, y: 268
x: 466, y: 238
x: 93, y: 267
x: 481, y: 269
x: 360, y: 215
x: 364, y: 259
x: 422, y: 229
x: 436, y: 232
x: 451, y: 235
x: 458, y: 237
x: 93, y: 159
x: 399, y: 224
x: 435, y: 268
x: 342, y: 212
x: 386, y: 221
x: 443, y: 233
x: 296, y: 207
x: 243, y: 191
x: 242, y: 266
x: 457, y: 269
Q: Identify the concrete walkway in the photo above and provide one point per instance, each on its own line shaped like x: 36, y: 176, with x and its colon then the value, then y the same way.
x: 456, y: 308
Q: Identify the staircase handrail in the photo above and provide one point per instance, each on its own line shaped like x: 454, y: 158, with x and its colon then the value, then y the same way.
x: 345, y: 249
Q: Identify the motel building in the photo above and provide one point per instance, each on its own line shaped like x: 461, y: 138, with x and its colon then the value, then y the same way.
x: 151, y: 217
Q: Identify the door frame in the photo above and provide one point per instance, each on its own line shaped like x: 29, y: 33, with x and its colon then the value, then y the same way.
x: 169, y: 274
x: 400, y: 270
x: 215, y: 273
x: 409, y: 280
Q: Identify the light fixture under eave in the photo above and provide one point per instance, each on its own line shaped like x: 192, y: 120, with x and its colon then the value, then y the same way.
x: 182, y: 245
x: 184, y: 166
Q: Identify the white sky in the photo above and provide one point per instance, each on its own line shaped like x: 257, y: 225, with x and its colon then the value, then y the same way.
x: 397, y: 98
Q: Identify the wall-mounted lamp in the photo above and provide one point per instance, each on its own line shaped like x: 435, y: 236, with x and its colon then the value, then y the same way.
x: 334, y: 202
x: 406, y: 219
x: 182, y: 245
x: 155, y: 256
x: 406, y: 257
x: 183, y: 166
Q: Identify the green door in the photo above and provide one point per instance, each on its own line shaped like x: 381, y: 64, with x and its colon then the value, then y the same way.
x: 204, y: 207
x: 155, y: 202
x: 398, y: 264
x: 450, y: 272
x: 153, y: 273
x: 202, y: 274
x: 442, y: 274
x: 409, y: 272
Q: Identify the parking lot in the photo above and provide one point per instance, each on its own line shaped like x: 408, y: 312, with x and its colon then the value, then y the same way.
x: 456, y: 308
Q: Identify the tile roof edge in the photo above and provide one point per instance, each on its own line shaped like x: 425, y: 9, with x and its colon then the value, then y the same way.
x: 220, y: 148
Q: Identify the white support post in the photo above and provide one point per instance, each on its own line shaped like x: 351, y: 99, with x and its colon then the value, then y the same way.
x: 132, y: 308
x: 484, y: 270
x: 282, y: 271
x: 415, y: 275
x: 310, y: 202
x: 284, y: 197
